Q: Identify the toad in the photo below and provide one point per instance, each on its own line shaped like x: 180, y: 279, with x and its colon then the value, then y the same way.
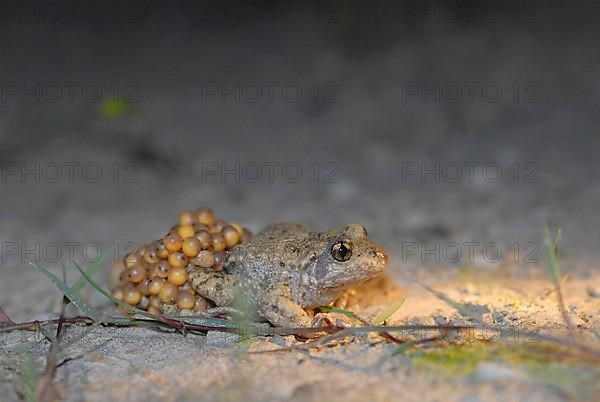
x: 286, y: 271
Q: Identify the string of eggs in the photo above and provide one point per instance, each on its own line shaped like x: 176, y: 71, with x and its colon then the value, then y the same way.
x: 156, y: 273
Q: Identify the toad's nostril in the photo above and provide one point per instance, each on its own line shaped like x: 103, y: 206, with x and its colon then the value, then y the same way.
x: 384, y: 256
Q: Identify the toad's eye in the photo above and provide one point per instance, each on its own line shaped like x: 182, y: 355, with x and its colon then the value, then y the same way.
x: 341, y: 250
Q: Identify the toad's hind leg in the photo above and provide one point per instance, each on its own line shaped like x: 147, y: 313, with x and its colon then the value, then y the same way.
x: 217, y: 286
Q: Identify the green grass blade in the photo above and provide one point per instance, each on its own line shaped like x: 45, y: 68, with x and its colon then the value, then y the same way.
x: 67, y: 291
x: 109, y: 296
x: 461, y: 308
x: 90, y: 272
x: 551, y: 252
x: 388, y: 312
x: 552, y: 247
x: 209, y: 322
x: 333, y: 309
x: 30, y: 376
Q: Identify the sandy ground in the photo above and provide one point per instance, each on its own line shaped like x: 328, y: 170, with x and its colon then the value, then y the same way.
x: 143, y: 364
x: 477, y: 238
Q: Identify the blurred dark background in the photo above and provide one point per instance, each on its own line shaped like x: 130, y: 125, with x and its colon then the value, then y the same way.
x: 400, y: 115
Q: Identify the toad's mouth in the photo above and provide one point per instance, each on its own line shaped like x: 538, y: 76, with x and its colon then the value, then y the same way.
x: 335, y: 288
x: 348, y: 282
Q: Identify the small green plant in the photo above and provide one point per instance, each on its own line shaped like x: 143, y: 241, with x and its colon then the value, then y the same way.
x: 29, y: 376
x: 552, y: 248
x: 113, y: 108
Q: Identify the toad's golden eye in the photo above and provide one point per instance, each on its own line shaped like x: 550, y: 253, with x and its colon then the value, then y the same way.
x: 341, y: 250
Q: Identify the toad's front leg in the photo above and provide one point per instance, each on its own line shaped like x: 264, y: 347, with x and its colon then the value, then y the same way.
x: 217, y: 286
x: 281, y: 311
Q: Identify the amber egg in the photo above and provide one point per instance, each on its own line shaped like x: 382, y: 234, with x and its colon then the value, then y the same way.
x: 231, y: 236
x: 185, y: 300
x: 173, y: 242
x: 206, y: 216
x: 136, y: 274
x: 168, y: 293
x: 191, y: 246
x: 177, y: 276
x: 187, y: 218
x: 186, y: 231
x: 178, y: 260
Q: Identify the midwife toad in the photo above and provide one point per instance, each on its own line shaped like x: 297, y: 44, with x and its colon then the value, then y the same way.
x: 286, y: 269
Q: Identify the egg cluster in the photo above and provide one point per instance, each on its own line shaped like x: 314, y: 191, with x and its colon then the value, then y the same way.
x: 156, y: 273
